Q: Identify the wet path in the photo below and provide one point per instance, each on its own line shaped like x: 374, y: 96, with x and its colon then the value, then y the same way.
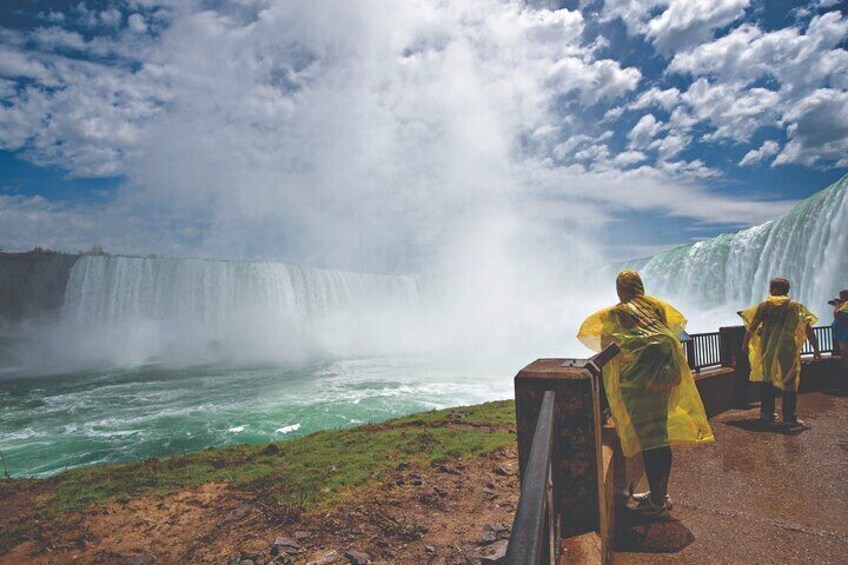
x: 759, y: 495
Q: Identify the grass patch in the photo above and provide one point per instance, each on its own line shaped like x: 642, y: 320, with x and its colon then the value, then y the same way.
x: 291, y: 477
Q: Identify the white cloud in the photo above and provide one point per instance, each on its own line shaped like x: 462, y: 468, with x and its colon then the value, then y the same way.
x: 818, y: 129
x: 798, y: 61
x: 755, y: 156
x: 734, y: 111
x: 677, y: 188
x: 111, y: 17
x: 666, y: 99
x: 629, y: 158
x: 644, y: 131
x: 671, y: 145
x: 689, y: 22
x: 136, y: 23
x: 674, y: 25
x: 595, y: 82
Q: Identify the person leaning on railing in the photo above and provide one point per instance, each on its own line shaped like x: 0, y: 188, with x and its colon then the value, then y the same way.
x: 776, y: 331
x: 840, y: 328
x: 651, y: 392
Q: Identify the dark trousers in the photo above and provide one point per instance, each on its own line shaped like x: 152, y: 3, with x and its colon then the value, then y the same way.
x: 790, y: 398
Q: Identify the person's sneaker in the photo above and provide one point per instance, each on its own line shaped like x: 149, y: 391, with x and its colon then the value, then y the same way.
x: 650, y: 509
x: 642, y: 500
x: 766, y: 419
x: 796, y: 423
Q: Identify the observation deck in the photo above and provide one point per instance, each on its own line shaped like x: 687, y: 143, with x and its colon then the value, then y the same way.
x: 761, y: 493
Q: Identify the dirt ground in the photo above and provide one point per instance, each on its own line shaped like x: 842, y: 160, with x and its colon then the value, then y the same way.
x: 448, y: 514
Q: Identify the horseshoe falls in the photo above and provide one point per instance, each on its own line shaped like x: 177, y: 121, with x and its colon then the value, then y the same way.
x: 263, y: 311
x: 808, y: 245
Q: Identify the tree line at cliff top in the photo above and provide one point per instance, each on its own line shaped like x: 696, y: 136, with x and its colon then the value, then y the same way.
x: 96, y: 250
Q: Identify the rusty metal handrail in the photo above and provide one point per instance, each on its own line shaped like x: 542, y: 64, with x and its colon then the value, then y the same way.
x: 535, y: 530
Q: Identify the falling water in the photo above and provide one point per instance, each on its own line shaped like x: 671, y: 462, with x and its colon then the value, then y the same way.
x: 186, y: 292
x: 808, y: 245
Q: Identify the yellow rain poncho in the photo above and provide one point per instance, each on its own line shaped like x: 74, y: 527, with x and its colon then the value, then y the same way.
x: 650, y: 388
x: 779, y: 332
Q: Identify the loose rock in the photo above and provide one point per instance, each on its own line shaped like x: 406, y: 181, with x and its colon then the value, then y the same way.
x: 494, y: 532
x: 496, y: 553
x: 503, y: 471
x: 326, y: 559
x: 285, y: 545
x: 357, y: 557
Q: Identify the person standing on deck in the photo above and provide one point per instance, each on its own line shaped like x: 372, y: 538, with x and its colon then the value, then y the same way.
x: 840, y: 329
x: 651, y: 392
x: 776, y: 331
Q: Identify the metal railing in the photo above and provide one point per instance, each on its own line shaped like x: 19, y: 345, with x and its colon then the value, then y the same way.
x: 535, y: 529
x: 703, y: 350
x: 825, y: 337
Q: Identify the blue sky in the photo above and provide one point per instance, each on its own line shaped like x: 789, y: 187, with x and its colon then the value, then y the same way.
x: 371, y: 134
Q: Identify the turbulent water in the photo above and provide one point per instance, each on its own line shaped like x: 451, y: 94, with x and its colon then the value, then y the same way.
x: 53, y: 422
x: 808, y: 245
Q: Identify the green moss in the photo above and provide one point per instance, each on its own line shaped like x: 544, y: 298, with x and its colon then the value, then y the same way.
x: 303, y: 473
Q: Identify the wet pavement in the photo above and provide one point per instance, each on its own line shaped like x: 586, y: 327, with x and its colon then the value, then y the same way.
x: 760, y: 494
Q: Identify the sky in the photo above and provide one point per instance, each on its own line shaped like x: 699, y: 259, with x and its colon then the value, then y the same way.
x: 373, y: 135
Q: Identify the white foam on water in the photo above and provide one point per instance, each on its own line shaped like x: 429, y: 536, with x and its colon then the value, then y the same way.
x: 288, y: 429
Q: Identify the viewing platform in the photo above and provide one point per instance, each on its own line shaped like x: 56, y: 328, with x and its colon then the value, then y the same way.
x: 761, y: 493
x: 758, y: 495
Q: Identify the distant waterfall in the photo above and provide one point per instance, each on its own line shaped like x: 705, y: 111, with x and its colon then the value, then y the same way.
x: 808, y: 245
x: 104, y: 290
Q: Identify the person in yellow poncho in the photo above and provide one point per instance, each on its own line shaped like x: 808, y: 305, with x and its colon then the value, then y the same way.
x: 776, y: 331
x: 651, y: 392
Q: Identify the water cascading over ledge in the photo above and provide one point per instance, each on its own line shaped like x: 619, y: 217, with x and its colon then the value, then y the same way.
x: 190, y: 310
x: 190, y: 291
x: 808, y: 245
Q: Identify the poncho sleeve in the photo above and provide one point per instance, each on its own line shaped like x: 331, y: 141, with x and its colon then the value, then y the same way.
x: 595, y: 330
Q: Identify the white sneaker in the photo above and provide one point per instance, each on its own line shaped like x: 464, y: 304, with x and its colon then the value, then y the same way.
x: 641, y: 502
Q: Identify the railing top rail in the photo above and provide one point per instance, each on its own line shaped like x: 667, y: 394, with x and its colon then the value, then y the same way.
x: 528, y: 539
x: 701, y: 334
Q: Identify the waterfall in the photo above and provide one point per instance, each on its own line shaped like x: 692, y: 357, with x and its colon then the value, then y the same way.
x: 187, y: 291
x: 808, y: 245
x: 172, y: 308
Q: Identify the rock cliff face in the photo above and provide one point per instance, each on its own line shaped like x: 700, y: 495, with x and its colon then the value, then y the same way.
x: 32, y: 287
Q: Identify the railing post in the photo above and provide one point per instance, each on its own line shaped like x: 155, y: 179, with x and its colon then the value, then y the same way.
x: 733, y: 356
x: 577, y: 464
x: 690, y: 354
